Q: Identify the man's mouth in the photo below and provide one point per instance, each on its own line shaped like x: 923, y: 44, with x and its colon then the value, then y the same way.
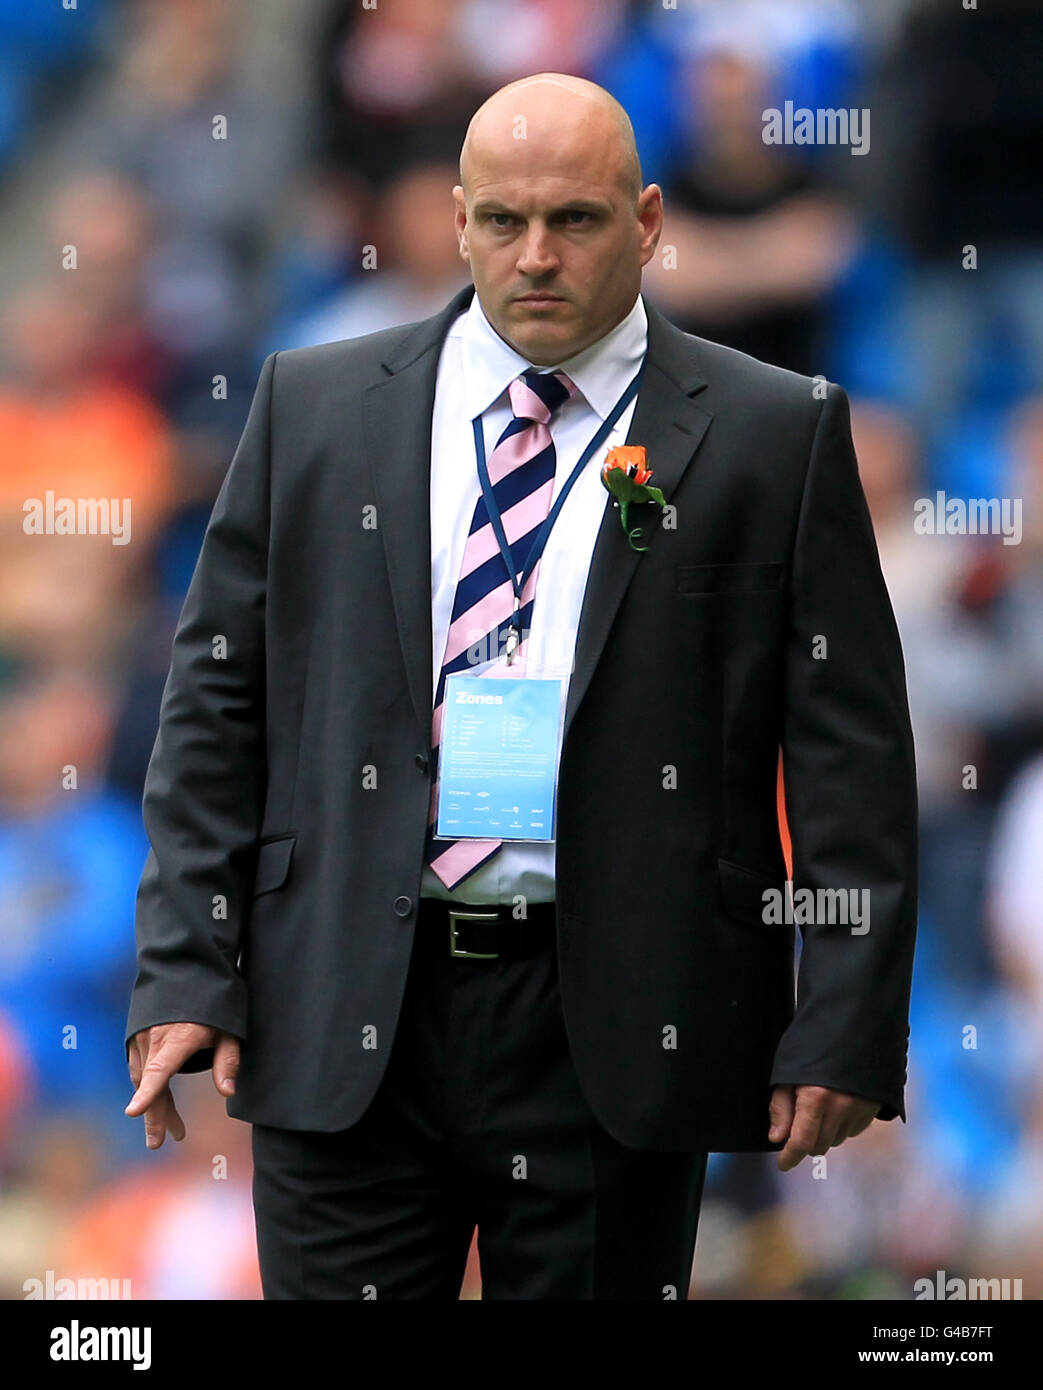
x: 539, y: 297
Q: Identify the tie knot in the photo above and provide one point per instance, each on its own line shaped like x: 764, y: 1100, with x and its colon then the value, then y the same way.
x: 537, y: 395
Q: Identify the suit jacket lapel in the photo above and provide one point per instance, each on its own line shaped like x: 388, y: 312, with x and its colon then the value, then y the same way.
x: 397, y: 416
x: 397, y: 430
x: 671, y: 426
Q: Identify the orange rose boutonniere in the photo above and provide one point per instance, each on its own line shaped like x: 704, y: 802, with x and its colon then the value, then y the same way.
x: 626, y: 476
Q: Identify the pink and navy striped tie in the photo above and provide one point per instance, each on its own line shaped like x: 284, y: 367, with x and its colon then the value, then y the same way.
x: 521, y: 472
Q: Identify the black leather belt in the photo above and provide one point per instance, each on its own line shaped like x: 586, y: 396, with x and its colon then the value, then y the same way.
x: 484, y: 931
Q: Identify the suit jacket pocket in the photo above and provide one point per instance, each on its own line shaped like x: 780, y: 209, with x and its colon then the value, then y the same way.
x: 742, y: 896
x: 729, y: 579
x: 273, y: 863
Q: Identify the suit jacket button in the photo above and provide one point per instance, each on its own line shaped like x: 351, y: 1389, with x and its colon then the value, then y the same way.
x: 421, y: 762
x: 403, y: 906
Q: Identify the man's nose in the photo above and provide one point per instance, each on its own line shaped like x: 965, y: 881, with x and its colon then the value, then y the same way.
x: 537, y: 255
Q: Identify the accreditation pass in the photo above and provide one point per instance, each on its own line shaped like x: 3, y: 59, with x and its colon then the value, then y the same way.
x: 498, y: 758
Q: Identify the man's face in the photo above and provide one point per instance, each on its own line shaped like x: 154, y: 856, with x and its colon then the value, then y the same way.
x: 556, y: 259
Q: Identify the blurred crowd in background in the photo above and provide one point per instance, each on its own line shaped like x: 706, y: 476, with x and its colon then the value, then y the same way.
x: 148, y: 268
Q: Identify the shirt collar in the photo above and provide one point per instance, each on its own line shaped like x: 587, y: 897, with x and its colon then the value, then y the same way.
x: 601, y: 371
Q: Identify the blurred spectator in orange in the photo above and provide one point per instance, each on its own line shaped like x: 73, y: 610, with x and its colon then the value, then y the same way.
x: 65, y: 428
x: 66, y: 602
x: 52, y: 1171
x: 183, y: 1228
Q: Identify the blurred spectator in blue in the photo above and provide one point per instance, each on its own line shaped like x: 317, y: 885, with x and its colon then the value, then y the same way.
x: 811, y: 49
x: 969, y: 177
x: 208, y: 145
x: 753, y: 239
x: 44, y: 50
x: 321, y: 251
x: 418, y: 267
x: 70, y: 856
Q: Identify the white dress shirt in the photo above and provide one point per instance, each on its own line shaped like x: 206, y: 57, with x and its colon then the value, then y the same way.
x: 475, y: 368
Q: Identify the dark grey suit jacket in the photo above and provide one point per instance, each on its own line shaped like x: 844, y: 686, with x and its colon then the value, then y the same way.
x: 279, y: 898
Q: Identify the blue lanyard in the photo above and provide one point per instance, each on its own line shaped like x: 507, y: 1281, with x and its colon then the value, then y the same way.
x: 540, y: 539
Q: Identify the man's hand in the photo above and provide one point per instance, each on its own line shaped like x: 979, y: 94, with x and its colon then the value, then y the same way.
x: 154, y: 1056
x: 812, y: 1119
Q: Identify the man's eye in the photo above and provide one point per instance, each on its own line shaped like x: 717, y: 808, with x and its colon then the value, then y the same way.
x: 496, y: 216
x: 574, y: 213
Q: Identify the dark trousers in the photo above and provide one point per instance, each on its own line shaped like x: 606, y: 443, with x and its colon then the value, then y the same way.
x: 478, y: 1121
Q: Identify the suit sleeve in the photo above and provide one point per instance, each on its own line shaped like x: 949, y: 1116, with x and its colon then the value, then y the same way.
x: 850, y: 787
x: 206, y: 780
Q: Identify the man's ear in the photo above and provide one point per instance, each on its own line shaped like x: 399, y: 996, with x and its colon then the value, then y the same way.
x: 460, y: 223
x: 651, y: 213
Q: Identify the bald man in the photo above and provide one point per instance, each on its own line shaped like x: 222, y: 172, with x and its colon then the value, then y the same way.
x: 466, y: 876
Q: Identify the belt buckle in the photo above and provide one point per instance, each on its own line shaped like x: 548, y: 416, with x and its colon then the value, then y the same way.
x: 458, y: 916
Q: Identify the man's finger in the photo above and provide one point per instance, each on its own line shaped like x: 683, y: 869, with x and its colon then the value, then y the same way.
x: 803, y: 1137
x: 859, y: 1122
x: 829, y: 1128
x: 852, y: 1120
x: 162, y: 1118
x: 843, y: 1132
x: 226, y: 1064
x: 157, y: 1071
x: 175, y: 1124
x: 135, y: 1063
x: 155, y: 1122
x: 780, y: 1111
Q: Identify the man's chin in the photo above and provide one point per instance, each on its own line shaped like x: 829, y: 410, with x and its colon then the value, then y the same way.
x: 540, y: 330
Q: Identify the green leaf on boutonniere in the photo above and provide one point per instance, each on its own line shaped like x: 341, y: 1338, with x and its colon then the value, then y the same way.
x: 627, y: 494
